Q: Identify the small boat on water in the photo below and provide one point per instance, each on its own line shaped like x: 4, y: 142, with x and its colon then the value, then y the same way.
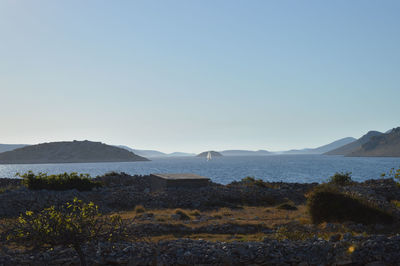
x: 209, y: 157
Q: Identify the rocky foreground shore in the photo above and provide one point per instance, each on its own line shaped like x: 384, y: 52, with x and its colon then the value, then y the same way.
x: 124, y: 192
x: 372, y: 251
x: 300, y: 244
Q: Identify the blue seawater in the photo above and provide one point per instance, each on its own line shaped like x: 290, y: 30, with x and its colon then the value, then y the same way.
x: 287, y: 168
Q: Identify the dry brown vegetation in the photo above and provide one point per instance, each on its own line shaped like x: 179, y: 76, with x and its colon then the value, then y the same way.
x: 286, y: 224
x: 267, y: 216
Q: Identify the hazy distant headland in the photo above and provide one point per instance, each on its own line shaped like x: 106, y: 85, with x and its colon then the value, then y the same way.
x: 322, y: 149
x: 68, y: 152
x: 154, y: 153
x: 245, y: 153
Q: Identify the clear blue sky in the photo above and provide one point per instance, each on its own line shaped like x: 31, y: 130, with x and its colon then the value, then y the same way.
x: 198, y: 75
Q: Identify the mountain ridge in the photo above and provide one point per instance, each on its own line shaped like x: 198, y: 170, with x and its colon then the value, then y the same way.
x: 324, y: 148
x: 383, y: 145
x: 353, y: 146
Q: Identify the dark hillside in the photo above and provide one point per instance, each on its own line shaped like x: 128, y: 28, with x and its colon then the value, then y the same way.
x: 384, y: 145
x: 68, y: 152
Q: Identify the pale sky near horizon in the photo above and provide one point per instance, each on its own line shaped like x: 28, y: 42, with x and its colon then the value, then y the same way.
x: 198, y: 75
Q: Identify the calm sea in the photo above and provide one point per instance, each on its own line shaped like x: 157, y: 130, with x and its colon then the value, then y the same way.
x: 289, y: 168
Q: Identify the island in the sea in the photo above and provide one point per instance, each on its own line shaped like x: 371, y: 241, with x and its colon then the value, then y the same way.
x: 69, y: 152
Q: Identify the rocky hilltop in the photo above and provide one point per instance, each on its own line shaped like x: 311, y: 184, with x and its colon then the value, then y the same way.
x: 383, y: 145
x: 68, y: 152
x: 355, y: 145
x: 213, y: 154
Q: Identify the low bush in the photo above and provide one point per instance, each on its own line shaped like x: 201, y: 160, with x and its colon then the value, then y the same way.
x: 182, y: 214
x: 195, y: 213
x: 341, y: 179
x: 82, y: 182
x: 140, y: 209
x: 70, y: 225
x: 287, y: 206
x: 394, y: 174
x: 251, y: 181
x: 326, y: 204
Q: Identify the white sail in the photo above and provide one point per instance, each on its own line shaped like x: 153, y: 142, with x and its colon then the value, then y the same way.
x: 209, y: 156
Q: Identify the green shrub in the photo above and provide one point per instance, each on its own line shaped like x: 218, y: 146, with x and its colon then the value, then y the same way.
x: 326, y: 204
x: 341, y: 179
x: 65, y: 181
x: 70, y: 225
x: 251, y: 181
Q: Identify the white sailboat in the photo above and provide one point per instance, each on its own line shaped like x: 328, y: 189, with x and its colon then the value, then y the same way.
x: 209, y: 156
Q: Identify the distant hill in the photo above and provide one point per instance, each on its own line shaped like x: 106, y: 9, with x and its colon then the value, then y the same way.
x: 324, y: 148
x: 213, y: 154
x: 154, y: 153
x: 355, y: 145
x: 144, y: 153
x: 10, y: 147
x: 68, y: 152
x: 245, y: 153
x: 383, y: 145
x: 180, y: 154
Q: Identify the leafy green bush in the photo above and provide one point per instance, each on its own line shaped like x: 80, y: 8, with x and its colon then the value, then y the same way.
x: 326, y: 204
x: 65, y: 181
x: 71, y: 225
x: 341, y: 179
